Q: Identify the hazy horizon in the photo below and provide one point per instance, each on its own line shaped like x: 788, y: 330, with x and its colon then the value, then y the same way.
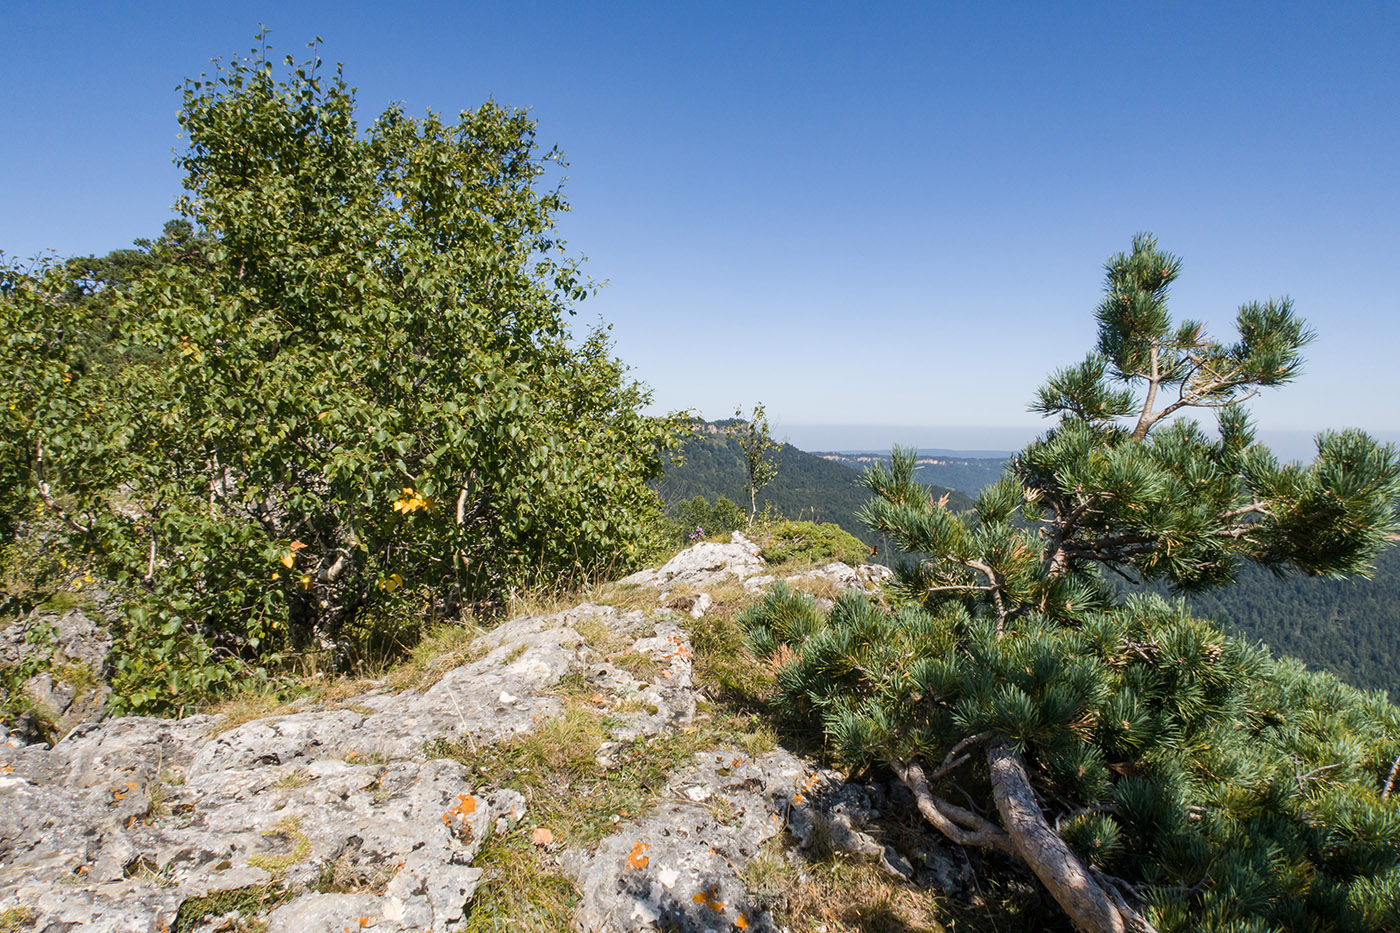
x: 988, y: 441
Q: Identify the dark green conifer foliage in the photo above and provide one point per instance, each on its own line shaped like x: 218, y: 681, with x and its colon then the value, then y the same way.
x: 1154, y: 773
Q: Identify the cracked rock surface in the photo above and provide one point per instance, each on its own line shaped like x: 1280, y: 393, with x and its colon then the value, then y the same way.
x: 346, y: 818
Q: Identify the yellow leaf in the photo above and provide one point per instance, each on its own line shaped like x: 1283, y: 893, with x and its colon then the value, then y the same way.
x: 288, y: 560
x: 306, y: 582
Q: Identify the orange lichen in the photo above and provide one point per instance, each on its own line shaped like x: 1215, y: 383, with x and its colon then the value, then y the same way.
x: 122, y: 794
x: 459, y: 818
x: 741, y: 922
x: 638, y: 859
x: 707, y: 897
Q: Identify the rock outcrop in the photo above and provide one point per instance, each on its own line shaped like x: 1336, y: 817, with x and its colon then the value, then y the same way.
x: 349, y: 816
x: 67, y: 652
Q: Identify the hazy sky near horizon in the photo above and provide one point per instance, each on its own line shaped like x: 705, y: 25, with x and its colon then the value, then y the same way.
x: 859, y: 214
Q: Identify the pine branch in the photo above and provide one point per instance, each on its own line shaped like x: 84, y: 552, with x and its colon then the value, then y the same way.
x: 995, y: 588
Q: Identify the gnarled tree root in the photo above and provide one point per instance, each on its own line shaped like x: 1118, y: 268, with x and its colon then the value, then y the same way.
x: 1093, y: 906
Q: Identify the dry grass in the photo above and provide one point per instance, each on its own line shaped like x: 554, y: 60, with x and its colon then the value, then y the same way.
x: 601, y: 637
x: 443, y: 648
x: 627, y: 597
x: 341, y: 876
x: 523, y: 888
x: 13, y: 919
x: 837, y: 893
x: 245, y: 707
x: 818, y: 588
x: 638, y: 665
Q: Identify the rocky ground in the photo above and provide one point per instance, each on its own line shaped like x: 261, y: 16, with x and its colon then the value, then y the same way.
x: 392, y: 811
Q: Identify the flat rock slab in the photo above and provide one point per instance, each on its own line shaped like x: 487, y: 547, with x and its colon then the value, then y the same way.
x: 347, y: 818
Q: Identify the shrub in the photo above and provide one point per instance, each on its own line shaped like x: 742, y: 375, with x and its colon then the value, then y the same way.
x: 810, y: 543
x: 355, y: 375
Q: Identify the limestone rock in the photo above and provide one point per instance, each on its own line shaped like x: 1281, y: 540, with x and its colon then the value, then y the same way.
x: 867, y: 578
x: 681, y: 867
x: 351, y: 815
x: 704, y: 564
x: 70, y: 651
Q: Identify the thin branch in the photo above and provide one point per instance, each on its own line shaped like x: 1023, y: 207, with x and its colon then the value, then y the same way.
x: 948, y: 760
x: 1252, y: 508
x: 151, y: 560
x: 1108, y: 542
x: 44, y: 494
x: 1131, y: 918
x: 995, y: 589
x: 1083, y: 811
x: 1303, y: 779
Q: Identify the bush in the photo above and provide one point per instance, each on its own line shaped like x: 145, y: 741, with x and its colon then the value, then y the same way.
x: 810, y: 543
x: 718, y: 519
x: 351, y: 373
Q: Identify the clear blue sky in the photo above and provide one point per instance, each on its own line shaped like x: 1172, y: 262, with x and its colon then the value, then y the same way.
x: 890, y: 215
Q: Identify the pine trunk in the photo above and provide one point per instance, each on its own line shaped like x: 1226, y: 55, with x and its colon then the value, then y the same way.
x: 1049, y: 856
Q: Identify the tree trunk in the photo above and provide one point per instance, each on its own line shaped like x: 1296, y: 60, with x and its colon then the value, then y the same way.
x: 1054, y: 863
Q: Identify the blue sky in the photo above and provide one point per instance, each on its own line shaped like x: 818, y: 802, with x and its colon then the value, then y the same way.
x: 885, y: 215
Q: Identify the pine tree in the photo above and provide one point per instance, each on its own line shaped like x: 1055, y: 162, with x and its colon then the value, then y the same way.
x: 1153, y: 773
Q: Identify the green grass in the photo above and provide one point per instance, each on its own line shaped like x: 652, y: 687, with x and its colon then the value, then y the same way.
x: 249, y: 902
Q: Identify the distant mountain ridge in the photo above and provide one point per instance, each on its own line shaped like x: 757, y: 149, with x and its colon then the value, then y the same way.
x: 806, y: 487
x: 965, y: 470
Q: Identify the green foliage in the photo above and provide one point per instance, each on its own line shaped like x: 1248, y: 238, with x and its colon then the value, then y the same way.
x: 1178, y: 756
x: 349, y: 372
x: 722, y: 517
x: 810, y: 543
x: 1231, y: 791
x: 160, y: 666
x: 242, y: 902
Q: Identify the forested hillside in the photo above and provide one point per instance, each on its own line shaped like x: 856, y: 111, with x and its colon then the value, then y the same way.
x: 806, y: 487
x: 1348, y: 627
